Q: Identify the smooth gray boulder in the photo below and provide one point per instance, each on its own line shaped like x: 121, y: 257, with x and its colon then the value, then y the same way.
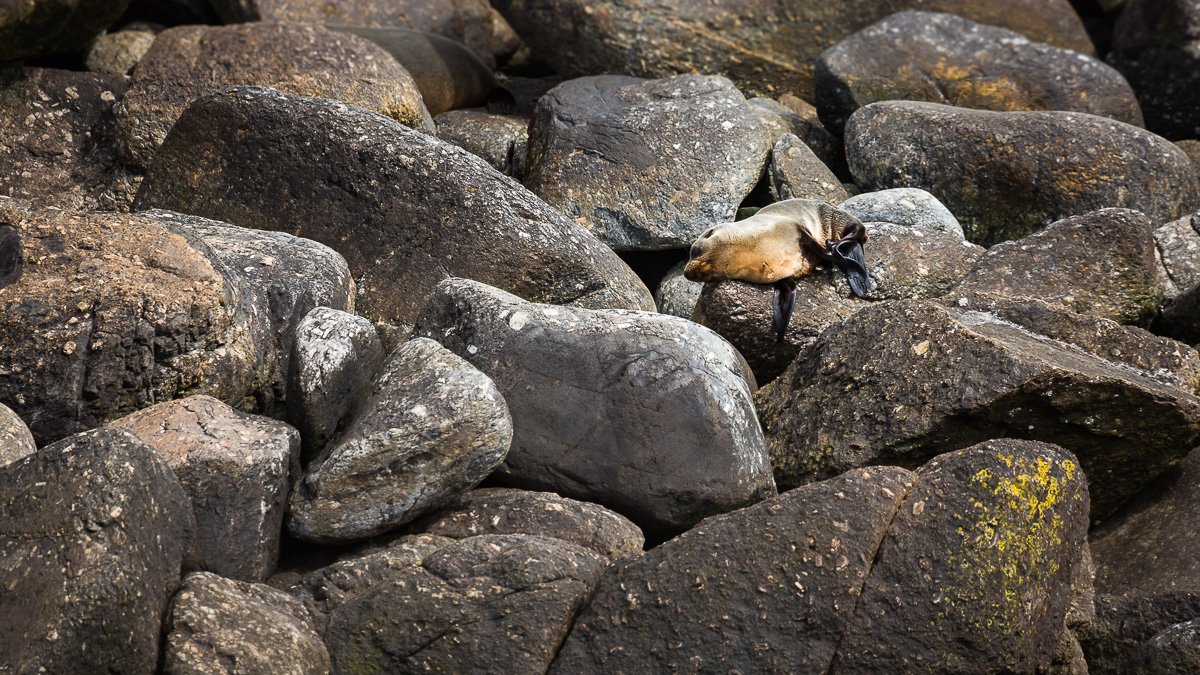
x: 645, y: 164
x: 795, y: 171
x: 237, y: 469
x: 15, y: 440
x: 502, y: 140
x: 431, y: 427
x: 646, y: 414
x: 913, y: 207
x: 676, y: 295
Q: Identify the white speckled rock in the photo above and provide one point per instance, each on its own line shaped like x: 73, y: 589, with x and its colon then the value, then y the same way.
x: 913, y: 207
x: 431, y: 427
x: 15, y: 440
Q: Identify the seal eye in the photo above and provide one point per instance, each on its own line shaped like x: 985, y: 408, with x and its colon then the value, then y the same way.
x: 695, y: 251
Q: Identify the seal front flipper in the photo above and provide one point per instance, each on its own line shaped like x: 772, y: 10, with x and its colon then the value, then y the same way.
x: 848, y: 256
x: 782, y: 305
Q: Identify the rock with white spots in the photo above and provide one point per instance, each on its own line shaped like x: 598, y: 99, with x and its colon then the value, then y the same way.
x: 15, y: 440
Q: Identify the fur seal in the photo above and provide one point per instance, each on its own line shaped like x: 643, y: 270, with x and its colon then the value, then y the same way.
x: 777, y: 245
x: 448, y: 74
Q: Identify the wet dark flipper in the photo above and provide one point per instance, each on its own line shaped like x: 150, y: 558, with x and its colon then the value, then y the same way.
x: 782, y: 305
x: 848, y: 256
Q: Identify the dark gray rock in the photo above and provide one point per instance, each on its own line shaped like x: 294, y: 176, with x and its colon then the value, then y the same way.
x: 645, y: 164
x: 906, y: 263
x: 43, y: 27
x: 646, y: 414
x: 769, y: 588
x: 974, y: 575
x: 944, y: 58
x: 118, y: 53
x: 1155, y: 46
x: 545, y: 514
x: 502, y: 140
x: 217, y: 625
x: 676, y: 295
x: 93, y: 532
x: 1178, y: 245
x: 795, y: 171
x: 432, y: 426
x: 334, y: 358
x: 1122, y: 625
x: 15, y: 440
x: 237, y: 469
x: 402, y: 224
x: 1174, y: 651
x: 1153, y: 544
x: 791, y: 115
x: 1101, y: 263
x: 112, y: 312
x: 906, y: 379
x: 305, y: 60
x: 493, y: 603
x: 58, y: 139
x: 762, y: 45
x: 913, y: 207
x: 1007, y: 174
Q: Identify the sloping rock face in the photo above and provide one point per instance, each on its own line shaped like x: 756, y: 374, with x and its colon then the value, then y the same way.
x: 93, y: 533
x: 764, y: 46
x: 42, y: 27
x: 646, y: 414
x: 943, y: 58
x: 58, y: 139
x: 402, y: 224
x: 1007, y: 174
x: 645, y: 164
x: 306, y: 60
x: 110, y: 312
x: 905, y: 380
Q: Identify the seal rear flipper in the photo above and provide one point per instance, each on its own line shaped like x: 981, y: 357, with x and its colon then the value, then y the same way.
x: 848, y: 256
x: 782, y: 304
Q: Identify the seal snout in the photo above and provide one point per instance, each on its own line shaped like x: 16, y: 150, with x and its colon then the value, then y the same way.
x: 699, y: 268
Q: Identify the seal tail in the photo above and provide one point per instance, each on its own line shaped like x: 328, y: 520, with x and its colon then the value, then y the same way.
x: 782, y: 305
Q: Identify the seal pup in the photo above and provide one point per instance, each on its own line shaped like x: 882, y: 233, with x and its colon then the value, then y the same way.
x: 779, y: 244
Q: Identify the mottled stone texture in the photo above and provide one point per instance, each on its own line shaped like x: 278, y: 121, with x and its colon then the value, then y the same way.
x: 32, y: 28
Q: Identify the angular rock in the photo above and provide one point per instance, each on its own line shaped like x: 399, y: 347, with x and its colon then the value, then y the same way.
x: 93, y: 532
x: 286, y: 276
x: 545, y: 514
x: 334, y: 358
x: 217, y: 625
x: 795, y: 171
x: 15, y: 440
x: 1155, y: 45
x: 1113, y: 640
x: 58, y: 141
x: 118, y: 53
x: 646, y: 414
x: 185, y: 63
x: 904, y: 380
x: 1174, y: 651
x: 710, y: 599
x: 237, y: 470
x: 43, y: 27
x: 500, y: 139
x: 502, y: 600
x: 1007, y: 174
x: 944, y: 58
x: 112, y: 312
x: 762, y: 45
x: 432, y: 426
x: 1151, y: 545
x: 903, y: 206
x: 1178, y: 244
x: 645, y: 164
x: 974, y: 574
x: 676, y: 295
x: 471, y: 22
x: 1102, y: 263
x: 402, y: 225
x: 906, y: 263
x: 791, y: 115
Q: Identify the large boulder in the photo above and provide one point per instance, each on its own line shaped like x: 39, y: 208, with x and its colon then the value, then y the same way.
x: 406, y: 210
x: 1117, y: 638
x: 1178, y: 245
x: 15, y: 440
x: 646, y: 414
x: 58, y: 139
x: 974, y: 575
x: 769, y: 588
x: 904, y: 381
x: 1155, y: 45
x: 186, y: 62
x: 93, y: 533
x: 502, y: 140
x: 795, y: 172
x: 430, y: 427
x: 1101, y: 263
x: 764, y: 46
x: 913, y: 207
x: 111, y: 312
x: 645, y: 164
x: 42, y: 27
x: 944, y: 58
x: 218, y: 625
x: 237, y: 469
x: 1007, y: 174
